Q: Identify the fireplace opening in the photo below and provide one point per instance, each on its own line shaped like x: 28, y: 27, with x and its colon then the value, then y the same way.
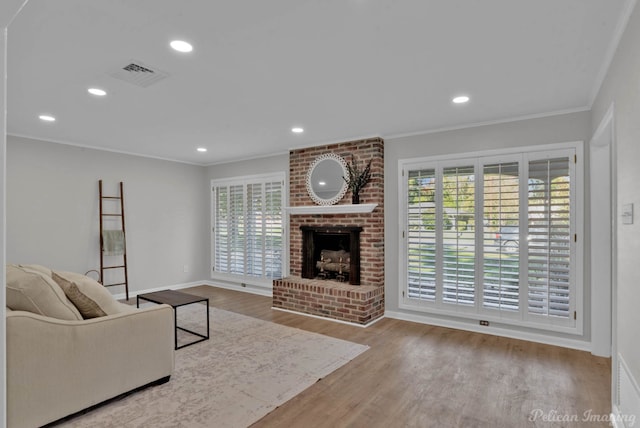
x: 331, y: 253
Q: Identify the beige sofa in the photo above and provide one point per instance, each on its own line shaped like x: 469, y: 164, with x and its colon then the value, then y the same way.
x: 59, y: 365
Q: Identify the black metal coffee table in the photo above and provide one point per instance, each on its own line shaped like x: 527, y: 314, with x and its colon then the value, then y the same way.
x: 177, y: 299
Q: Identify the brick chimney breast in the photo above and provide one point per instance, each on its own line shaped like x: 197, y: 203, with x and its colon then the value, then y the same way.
x: 359, y: 304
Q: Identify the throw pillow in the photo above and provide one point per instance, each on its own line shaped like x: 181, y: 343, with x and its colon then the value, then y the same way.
x: 31, y: 291
x: 89, y: 296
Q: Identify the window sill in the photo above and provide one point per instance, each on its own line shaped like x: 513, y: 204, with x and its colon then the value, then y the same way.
x: 498, y: 329
x: 470, y: 314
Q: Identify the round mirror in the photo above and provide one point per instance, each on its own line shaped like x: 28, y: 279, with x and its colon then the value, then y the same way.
x: 324, y: 179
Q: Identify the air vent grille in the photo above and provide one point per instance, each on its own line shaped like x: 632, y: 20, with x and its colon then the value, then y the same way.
x: 137, y: 68
x: 139, y: 74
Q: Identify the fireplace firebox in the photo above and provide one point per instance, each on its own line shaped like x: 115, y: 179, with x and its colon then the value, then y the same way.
x: 331, y: 252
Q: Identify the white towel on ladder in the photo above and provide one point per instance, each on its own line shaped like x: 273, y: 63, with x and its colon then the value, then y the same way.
x: 113, y: 242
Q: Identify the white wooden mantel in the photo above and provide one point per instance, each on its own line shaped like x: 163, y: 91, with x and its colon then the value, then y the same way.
x: 331, y: 209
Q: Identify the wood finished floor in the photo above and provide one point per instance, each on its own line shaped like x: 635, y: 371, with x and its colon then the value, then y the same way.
x: 416, y: 375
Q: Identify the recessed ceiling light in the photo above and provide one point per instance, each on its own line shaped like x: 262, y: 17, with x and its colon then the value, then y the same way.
x: 97, y: 91
x: 201, y: 149
x: 297, y: 130
x: 461, y: 99
x: 322, y: 183
x: 181, y: 46
x: 47, y: 118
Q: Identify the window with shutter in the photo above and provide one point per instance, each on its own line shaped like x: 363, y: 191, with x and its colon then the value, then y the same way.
x: 458, y: 237
x: 236, y: 215
x: 492, y: 237
x: 501, y: 258
x: 247, y: 227
x: 221, y: 228
x: 421, y: 234
x: 273, y: 233
x: 255, y: 232
x: 549, y: 252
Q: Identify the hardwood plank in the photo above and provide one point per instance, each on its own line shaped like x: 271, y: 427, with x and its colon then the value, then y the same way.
x: 417, y: 375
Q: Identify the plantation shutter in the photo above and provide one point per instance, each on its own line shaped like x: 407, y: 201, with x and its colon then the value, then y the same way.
x: 458, y: 213
x: 254, y: 229
x: 549, y: 252
x: 493, y: 237
x: 248, y: 231
x: 273, y: 230
x: 421, y: 234
x: 221, y: 229
x: 236, y: 230
x: 501, y: 256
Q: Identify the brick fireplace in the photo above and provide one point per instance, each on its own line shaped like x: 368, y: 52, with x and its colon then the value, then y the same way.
x: 357, y: 297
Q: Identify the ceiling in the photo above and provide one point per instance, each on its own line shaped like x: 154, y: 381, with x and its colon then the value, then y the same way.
x: 341, y: 69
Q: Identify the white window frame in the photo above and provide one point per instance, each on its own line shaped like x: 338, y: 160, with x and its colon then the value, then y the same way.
x: 521, y: 318
x: 245, y: 181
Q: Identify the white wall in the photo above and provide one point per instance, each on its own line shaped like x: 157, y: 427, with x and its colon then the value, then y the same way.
x: 544, y: 130
x: 265, y: 165
x: 52, y: 211
x: 622, y: 89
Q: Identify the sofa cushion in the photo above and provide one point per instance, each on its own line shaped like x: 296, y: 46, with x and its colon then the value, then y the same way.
x: 89, y: 296
x: 32, y: 291
x: 38, y: 268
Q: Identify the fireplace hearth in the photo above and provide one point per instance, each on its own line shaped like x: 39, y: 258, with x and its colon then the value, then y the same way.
x: 331, y: 253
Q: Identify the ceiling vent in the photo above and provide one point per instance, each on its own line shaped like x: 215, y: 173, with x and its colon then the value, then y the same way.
x: 139, y: 74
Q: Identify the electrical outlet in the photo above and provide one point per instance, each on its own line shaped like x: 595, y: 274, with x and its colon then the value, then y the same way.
x: 185, y: 268
x: 484, y: 323
x: 243, y: 284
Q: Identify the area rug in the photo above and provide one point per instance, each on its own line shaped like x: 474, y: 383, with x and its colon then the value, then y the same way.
x: 245, y: 370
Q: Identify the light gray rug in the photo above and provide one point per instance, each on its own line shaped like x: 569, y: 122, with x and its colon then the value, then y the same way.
x: 245, y: 370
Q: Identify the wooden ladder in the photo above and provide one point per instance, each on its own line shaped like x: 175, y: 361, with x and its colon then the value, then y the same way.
x: 117, y: 216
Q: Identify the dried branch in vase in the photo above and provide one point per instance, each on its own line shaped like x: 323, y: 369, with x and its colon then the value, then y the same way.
x: 357, y: 179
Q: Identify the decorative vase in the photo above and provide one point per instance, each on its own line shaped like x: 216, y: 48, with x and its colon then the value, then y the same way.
x: 355, y: 198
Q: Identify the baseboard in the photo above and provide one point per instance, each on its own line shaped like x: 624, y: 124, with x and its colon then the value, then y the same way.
x: 496, y: 331
x: 122, y: 296
x: 626, y: 410
x: 250, y: 289
x: 235, y: 287
x: 369, y: 324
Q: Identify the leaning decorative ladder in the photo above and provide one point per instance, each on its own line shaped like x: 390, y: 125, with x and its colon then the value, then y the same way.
x: 117, y: 216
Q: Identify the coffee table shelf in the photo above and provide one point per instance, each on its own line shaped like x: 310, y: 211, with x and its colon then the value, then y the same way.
x: 177, y: 299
